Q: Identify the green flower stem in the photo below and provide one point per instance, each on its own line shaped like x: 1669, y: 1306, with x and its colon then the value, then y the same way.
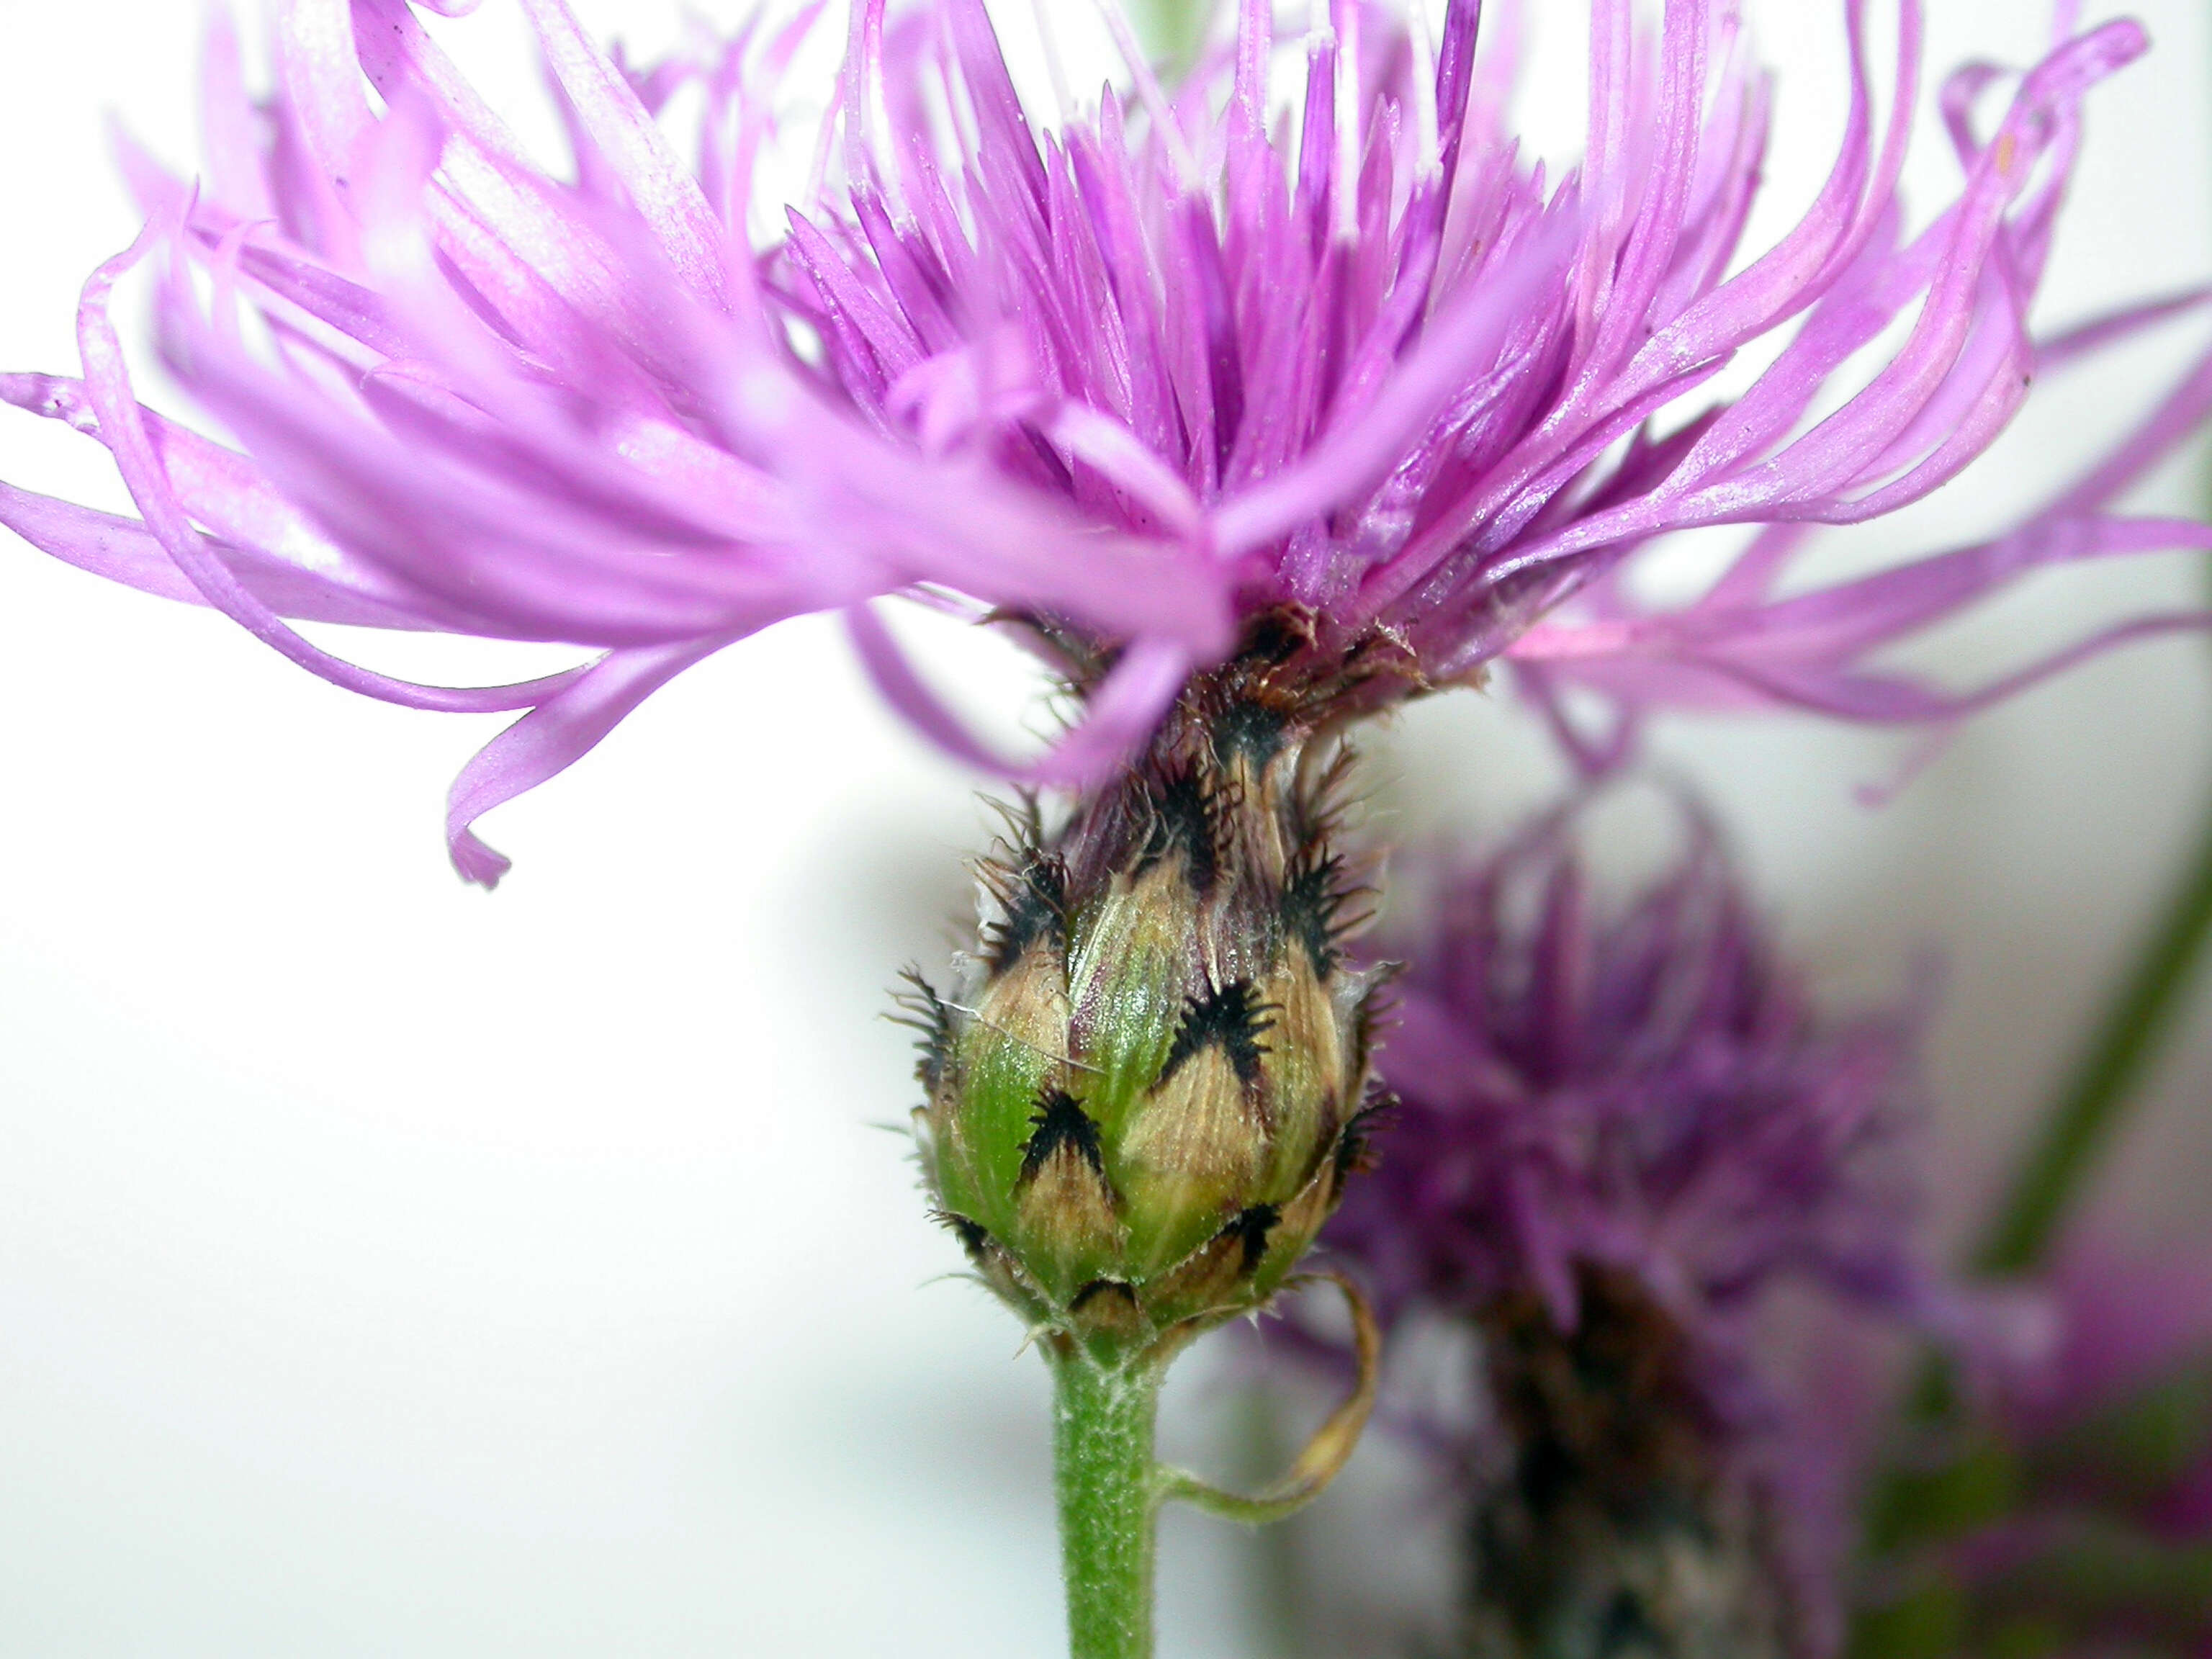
x: 2104, y: 1081
x: 1109, y: 1500
x: 1111, y: 1489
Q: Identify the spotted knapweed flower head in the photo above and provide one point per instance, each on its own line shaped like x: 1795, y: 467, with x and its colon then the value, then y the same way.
x: 1307, y: 366
x: 1624, y: 1141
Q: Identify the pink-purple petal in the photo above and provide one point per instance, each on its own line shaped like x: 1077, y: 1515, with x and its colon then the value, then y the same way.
x: 1139, y: 375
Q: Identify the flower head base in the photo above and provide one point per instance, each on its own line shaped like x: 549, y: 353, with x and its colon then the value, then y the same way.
x: 1225, y: 356
x: 1144, y: 1094
x: 1621, y: 1133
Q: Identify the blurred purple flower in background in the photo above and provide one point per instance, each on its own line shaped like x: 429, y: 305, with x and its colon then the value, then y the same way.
x: 1673, y: 1205
x: 1166, y: 378
x: 2100, y: 1478
x: 1625, y: 1140
x: 1637, y: 1088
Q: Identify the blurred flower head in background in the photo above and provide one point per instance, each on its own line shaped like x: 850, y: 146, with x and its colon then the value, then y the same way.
x: 1625, y: 1139
x: 1324, y: 370
x: 1641, y: 1088
x: 1675, y: 1206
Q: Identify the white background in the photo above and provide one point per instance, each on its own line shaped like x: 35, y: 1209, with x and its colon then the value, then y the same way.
x: 389, y: 1269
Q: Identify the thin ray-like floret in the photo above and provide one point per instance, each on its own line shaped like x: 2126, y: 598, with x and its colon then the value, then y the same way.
x: 1300, y: 349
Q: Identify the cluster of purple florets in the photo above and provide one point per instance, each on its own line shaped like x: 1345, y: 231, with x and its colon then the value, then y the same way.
x: 1606, y: 1102
x: 1639, y: 1087
x: 1142, y: 372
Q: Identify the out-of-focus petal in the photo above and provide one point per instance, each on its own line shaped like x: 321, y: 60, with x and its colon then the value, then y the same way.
x: 1124, y: 707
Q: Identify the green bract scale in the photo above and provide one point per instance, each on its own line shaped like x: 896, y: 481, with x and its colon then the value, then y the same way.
x: 1145, y: 1090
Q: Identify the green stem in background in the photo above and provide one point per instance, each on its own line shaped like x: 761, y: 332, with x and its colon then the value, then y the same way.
x: 2104, y: 1081
x: 1975, y: 1479
x: 1109, y: 1500
x: 1172, y: 30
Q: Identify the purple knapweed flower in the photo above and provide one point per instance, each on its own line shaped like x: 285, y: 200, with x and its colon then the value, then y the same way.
x: 1623, y: 1140
x: 1340, y: 372
x: 1641, y: 1089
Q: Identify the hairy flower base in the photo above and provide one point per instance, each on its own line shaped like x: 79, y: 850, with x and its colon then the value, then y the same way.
x: 1145, y: 1094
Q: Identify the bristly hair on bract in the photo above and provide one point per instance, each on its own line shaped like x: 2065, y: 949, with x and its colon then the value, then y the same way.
x: 1310, y: 366
x: 1145, y: 1087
